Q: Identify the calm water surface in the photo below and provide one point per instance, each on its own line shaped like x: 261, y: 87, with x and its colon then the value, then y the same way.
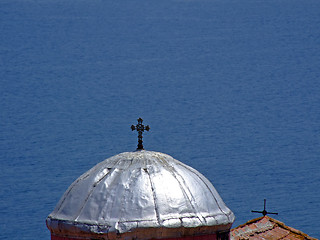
x: 231, y: 88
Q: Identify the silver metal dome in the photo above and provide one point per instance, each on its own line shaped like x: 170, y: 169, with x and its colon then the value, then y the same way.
x: 141, y: 189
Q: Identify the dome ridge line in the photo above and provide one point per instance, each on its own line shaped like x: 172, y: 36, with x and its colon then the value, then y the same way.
x: 154, y: 198
x: 94, y: 187
x: 196, y: 173
x: 74, y: 183
x: 109, y: 170
x: 124, y: 195
x: 60, y: 204
x: 175, y: 174
x: 117, y: 171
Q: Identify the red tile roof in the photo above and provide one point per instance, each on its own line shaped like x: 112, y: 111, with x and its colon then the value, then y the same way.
x: 267, y: 228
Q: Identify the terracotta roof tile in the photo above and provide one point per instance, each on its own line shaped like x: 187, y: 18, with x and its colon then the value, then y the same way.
x: 266, y: 228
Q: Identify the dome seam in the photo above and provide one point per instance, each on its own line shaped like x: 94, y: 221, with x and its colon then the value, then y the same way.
x: 174, y: 173
x: 154, y: 198
x: 189, y: 168
x: 94, y: 186
x: 123, y: 197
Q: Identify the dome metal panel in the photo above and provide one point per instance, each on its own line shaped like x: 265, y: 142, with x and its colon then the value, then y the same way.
x: 141, y: 189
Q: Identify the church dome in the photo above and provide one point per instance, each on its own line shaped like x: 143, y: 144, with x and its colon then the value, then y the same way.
x: 140, y: 190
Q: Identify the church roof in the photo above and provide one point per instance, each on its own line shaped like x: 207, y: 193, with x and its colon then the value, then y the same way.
x: 141, y: 189
x: 267, y: 228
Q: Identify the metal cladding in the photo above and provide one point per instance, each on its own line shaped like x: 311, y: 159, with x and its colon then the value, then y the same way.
x: 139, y: 190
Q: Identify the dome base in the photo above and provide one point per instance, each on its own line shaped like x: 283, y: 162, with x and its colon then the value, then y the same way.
x: 196, y: 233
x: 213, y: 236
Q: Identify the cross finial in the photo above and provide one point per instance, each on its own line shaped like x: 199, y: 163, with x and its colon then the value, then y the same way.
x: 140, y: 129
x: 264, y: 212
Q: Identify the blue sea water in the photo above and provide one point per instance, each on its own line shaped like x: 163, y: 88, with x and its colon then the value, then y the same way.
x: 231, y: 88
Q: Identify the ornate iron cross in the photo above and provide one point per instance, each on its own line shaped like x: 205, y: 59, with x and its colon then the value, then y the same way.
x: 140, y: 129
x: 264, y: 212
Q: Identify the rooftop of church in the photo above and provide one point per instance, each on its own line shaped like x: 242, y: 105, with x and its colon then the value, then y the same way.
x: 267, y: 228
